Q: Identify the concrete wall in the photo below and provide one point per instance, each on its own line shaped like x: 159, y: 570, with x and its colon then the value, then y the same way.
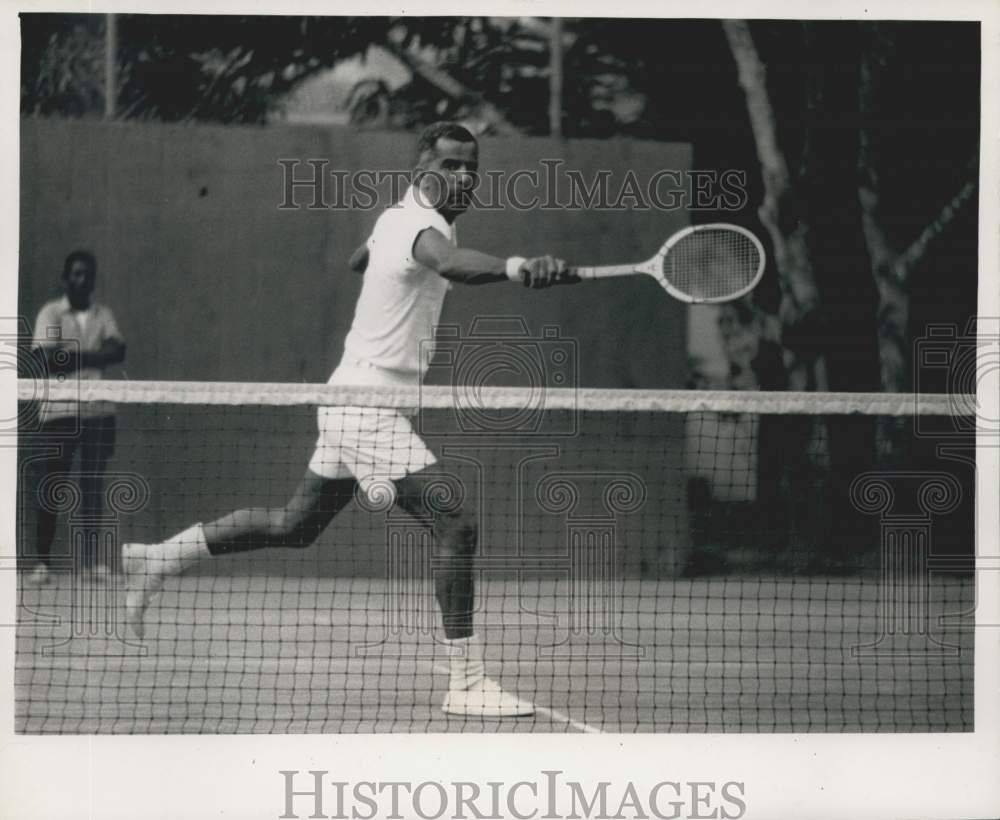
x: 211, y: 280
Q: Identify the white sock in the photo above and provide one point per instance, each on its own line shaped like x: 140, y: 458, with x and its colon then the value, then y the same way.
x: 466, y: 662
x: 185, y: 549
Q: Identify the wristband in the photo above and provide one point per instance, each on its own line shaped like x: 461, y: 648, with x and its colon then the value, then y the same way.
x: 514, y: 267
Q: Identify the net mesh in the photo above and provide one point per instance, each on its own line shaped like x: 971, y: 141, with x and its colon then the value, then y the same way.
x: 643, y: 561
x: 712, y: 263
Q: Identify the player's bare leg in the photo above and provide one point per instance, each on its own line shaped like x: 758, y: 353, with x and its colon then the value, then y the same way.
x: 297, y: 524
x: 470, y: 692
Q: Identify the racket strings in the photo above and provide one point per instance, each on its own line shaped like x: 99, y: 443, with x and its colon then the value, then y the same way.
x: 711, y: 264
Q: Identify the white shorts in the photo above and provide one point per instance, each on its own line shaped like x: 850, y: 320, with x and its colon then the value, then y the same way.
x: 367, y: 443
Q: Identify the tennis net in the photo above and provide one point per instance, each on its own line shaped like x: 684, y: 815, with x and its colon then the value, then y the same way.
x: 668, y: 561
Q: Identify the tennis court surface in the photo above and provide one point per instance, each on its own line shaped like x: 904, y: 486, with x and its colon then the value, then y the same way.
x: 647, y: 562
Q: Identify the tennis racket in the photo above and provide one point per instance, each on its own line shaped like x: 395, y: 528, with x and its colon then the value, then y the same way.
x: 701, y: 264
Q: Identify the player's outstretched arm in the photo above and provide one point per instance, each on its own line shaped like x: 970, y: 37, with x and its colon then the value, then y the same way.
x: 471, y: 267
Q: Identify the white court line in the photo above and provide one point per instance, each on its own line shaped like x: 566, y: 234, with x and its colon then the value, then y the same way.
x: 553, y: 714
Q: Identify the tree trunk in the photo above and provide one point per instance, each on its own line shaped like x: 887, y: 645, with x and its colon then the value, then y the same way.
x: 803, y: 469
x: 891, y: 268
x: 894, y: 301
x: 894, y: 298
x: 781, y: 216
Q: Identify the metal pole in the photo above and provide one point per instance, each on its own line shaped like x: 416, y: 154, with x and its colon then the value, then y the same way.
x: 555, y: 76
x: 110, y: 64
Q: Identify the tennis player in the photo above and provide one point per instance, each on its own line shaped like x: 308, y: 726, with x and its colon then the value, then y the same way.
x: 409, y: 262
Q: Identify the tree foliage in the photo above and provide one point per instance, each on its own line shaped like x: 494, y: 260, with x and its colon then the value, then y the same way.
x: 182, y: 68
x: 241, y: 68
x: 62, y: 61
x: 673, y: 80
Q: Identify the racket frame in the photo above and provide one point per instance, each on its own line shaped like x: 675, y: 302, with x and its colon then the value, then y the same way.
x: 654, y: 266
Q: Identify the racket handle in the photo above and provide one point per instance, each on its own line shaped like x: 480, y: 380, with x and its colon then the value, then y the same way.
x: 604, y: 272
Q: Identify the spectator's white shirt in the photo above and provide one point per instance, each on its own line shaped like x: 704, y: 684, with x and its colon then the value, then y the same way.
x: 84, y: 331
x: 401, y: 300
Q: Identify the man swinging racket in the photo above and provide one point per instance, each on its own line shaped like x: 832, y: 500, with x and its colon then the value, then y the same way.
x: 409, y: 261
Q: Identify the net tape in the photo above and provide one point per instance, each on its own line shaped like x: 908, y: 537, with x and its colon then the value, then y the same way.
x: 440, y: 397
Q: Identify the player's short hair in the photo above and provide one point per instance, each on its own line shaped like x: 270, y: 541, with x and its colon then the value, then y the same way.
x: 86, y: 257
x: 427, y: 142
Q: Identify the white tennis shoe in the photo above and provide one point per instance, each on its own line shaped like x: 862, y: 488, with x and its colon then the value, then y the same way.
x: 485, y: 699
x: 40, y: 576
x: 147, y: 565
x: 145, y: 571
